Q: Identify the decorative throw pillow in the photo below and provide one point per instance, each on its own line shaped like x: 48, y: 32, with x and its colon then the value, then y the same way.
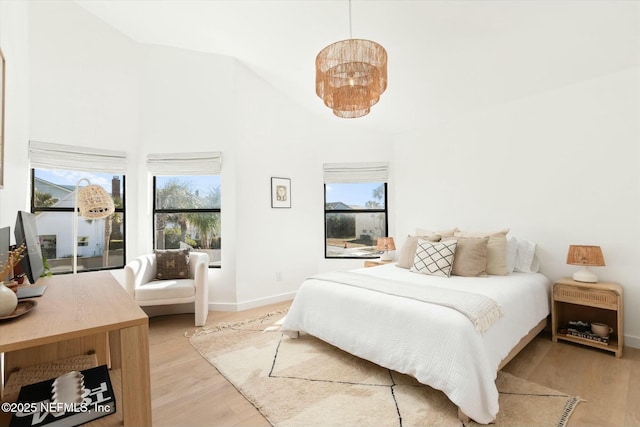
x: 408, y: 250
x: 434, y: 258
x: 471, y: 256
x: 172, y: 264
x: 496, y: 250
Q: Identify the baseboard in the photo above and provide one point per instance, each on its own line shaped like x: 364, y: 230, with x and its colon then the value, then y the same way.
x: 246, y: 305
x: 631, y: 341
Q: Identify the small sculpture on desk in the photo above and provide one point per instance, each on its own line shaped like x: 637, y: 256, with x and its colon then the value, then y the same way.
x: 8, y: 298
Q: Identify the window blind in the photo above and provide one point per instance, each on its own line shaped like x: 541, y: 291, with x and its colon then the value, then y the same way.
x: 208, y: 163
x: 59, y: 156
x: 356, y: 172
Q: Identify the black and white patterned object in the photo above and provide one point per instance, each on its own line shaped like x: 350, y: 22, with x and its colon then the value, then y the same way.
x: 434, y: 258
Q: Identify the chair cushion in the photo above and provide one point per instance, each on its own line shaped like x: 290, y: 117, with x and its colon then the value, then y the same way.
x: 166, y: 289
x: 172, y: 264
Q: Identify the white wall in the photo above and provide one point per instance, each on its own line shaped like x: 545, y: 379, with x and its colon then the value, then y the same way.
x: 14, y: 41
x: 186, y: 105
x: 558, y: 168
x: 84, y: 84
x: 278, y: 248
x: 92, y: 86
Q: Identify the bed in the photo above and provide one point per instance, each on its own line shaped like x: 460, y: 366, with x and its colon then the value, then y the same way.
x: 440, y: 345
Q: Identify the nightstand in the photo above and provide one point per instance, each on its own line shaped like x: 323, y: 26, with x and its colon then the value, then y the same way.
x: 588, y: 302
x: 373, y: 263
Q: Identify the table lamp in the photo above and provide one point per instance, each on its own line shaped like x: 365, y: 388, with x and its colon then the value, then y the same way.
x: 585, y: 256
x: 386, y: 244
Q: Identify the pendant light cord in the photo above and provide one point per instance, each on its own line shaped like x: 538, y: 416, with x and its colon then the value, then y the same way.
x: 350, y: 33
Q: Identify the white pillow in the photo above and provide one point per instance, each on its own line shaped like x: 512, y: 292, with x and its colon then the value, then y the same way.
x: 510, y: 258
x: 526, y: 260
x: 434, y: 258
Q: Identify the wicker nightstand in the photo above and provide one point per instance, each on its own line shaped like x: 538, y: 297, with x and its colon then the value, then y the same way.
x: 374, y: 263
x: 588, y: 302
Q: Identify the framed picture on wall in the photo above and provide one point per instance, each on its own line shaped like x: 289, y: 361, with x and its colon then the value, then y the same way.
x: 280, y: 192
x: 2, y: 73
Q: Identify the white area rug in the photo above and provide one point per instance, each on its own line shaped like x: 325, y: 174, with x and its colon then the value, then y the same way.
x: 306, y: 382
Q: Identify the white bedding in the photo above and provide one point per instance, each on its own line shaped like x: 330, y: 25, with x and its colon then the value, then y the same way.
x: 435, y: 344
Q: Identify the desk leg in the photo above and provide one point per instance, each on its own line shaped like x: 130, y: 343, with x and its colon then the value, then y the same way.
x: 136, y: 382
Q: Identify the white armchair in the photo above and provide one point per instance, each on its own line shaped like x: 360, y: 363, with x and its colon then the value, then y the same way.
x: 146, y: 290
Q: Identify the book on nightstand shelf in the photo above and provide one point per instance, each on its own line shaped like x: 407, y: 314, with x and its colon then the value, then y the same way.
x: 36, y: 405
x: 588, y: 336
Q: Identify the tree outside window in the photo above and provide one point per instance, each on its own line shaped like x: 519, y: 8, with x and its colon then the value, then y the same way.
x: 187, y: 214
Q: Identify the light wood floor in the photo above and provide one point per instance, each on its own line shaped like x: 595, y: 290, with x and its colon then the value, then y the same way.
x: 187, y: 391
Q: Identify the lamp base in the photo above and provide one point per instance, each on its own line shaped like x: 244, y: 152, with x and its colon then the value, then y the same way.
x: 386, y: 256
x: 585, y: 275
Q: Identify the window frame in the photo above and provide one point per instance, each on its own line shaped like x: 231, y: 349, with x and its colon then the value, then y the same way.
x: 356, y: 211
x: 35, y: 209
x: 155, y: 211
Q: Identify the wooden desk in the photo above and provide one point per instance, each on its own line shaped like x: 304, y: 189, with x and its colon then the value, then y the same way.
x: 89, y: 305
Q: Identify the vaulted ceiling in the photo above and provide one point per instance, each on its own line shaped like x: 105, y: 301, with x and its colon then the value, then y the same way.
x: 446, y: 58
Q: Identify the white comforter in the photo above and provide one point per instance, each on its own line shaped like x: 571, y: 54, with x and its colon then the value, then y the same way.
x: 435, y: 344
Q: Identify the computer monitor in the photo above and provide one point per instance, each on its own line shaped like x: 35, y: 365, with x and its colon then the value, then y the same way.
x: 26, y: 232
x: 5, y: 247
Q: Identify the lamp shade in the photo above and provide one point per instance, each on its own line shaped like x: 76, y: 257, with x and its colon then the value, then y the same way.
x: 585, y: 255
x: 351, y: 75
x: 94, y: 202
x: 386, y: 244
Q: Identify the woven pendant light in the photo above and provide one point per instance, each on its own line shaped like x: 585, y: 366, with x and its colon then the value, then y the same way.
x: 94, y: 202
x: 351, y: 75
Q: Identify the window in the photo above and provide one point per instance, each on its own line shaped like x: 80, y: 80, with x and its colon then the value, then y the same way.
x: 186, y: 213
x: 186, y: 202
x: 355, y: 210
x: 100, y: 242
x: 56, y: 169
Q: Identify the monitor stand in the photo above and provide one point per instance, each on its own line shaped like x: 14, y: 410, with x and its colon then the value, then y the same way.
x: 31, y: 291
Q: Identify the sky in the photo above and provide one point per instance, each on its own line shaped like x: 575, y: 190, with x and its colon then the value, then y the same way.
x: 68, y: 177
x: 351, y: 194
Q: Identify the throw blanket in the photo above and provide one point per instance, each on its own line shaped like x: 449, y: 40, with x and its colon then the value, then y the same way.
x: 481, y: 310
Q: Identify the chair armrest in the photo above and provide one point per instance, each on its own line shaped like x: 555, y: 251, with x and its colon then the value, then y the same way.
x: 199, y: 265
x: 139, y: 271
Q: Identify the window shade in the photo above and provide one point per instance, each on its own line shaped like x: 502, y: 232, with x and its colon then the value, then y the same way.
x: 58, y: 156
x: 356, y: 172
x: 208, y: 163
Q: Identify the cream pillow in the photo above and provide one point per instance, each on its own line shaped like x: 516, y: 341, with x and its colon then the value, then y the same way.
x: 408, y: 250
x: 496, y: 250
x: 442, y: 233
x: 471, y: 256
x: 434, y: 258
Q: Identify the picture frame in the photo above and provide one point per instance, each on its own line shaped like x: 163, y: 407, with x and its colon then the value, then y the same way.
x: 2, y: 91
x: 280, y: 192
